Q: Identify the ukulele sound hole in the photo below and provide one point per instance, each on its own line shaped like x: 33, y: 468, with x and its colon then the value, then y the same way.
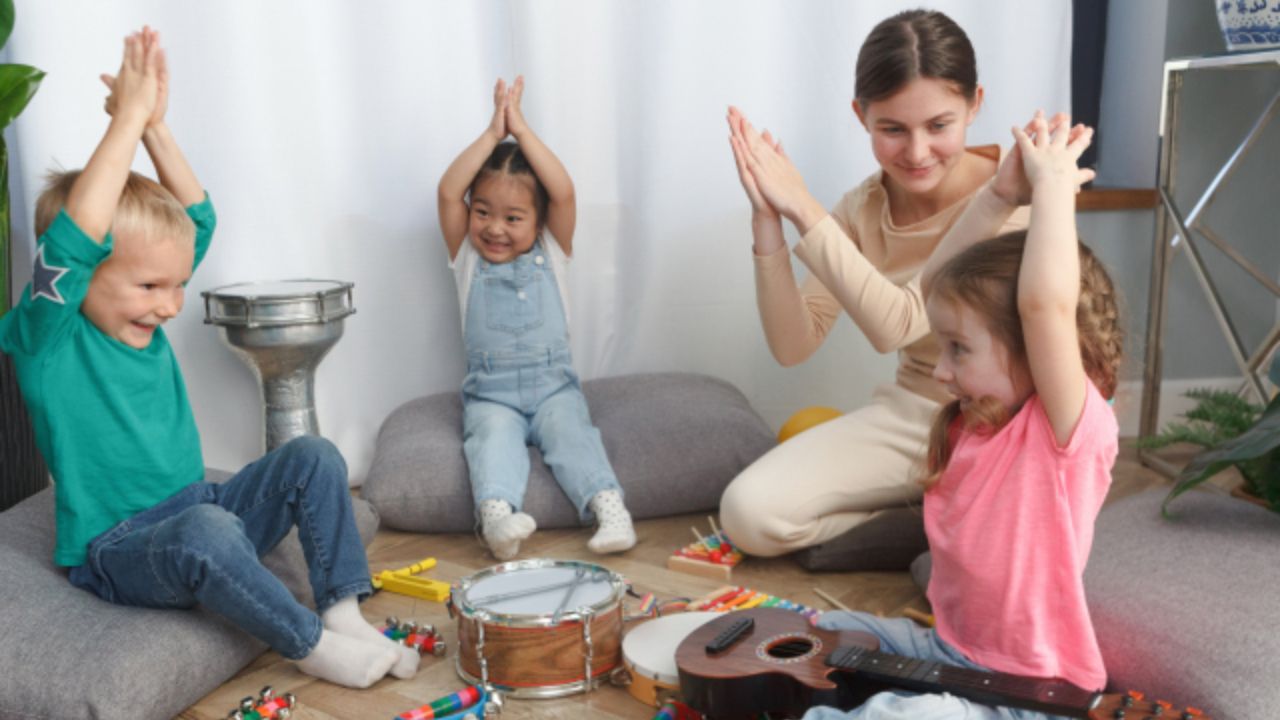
x: 790, y: 648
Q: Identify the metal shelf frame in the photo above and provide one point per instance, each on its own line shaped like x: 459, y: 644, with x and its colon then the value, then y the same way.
x: 1173, y: 231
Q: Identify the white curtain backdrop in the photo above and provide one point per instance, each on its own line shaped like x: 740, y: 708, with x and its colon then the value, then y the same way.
x: 320, y: 129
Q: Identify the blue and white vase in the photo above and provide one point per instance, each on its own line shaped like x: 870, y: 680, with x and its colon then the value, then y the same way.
x: 1249, y: 24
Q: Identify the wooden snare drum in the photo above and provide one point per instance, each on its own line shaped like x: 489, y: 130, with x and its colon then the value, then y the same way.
x: 649, y: 653
x: 539, y: 628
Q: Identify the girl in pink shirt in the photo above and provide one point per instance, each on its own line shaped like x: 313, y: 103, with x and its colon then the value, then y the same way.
x: 1020, y: 461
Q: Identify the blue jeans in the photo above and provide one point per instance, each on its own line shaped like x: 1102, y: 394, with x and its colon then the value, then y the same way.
x: 203, y: 544
x: 900, y: 636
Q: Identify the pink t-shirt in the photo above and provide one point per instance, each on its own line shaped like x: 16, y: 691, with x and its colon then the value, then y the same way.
x: 1010, y: 525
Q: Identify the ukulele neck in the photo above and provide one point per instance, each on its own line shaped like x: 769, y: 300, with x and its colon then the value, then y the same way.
x: 1055, y: 697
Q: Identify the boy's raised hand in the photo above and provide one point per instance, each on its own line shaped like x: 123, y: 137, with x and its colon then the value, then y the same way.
x: 135, y: 89
x: 150, y: 39
x: 515, y: 118
x: 498, y: 125
x: 162, y: 78
x: 91, y: 203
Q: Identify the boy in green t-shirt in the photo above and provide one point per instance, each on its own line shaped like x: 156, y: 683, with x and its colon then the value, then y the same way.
x: 136, y: 524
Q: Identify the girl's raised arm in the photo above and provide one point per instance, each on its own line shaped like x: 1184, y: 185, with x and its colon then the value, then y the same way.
x: 451, y: 195
x: 997, y: 200
x: 562, y: 205
x: 1049, y: 279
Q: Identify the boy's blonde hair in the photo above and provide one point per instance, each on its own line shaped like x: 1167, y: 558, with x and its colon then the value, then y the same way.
x: 146, y: 209
x: 985, y: 278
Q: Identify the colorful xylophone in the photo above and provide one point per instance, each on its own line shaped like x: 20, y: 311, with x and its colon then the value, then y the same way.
x: 730, y: 598
x: 710, y: 556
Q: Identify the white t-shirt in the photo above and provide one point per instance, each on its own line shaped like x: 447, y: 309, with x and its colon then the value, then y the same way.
x: 464, y: 266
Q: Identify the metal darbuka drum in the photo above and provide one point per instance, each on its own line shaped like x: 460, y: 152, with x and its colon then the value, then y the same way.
x: 539, y: 628
x: 282, y: 330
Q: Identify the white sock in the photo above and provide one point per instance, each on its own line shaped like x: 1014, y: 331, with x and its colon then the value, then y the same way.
x: 503, y: 529
x: 347, y: 661
x: 616, y: 533
x: 344, y: 618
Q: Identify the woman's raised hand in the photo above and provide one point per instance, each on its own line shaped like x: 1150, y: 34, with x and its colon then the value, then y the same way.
x: 777, y: 181
x: 498, y: 125
x: 759, y: 204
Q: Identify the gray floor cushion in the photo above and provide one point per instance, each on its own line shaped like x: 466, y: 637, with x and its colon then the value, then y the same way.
x: 675, y: 441
x: 888, y: 540
x: 67, y: 654
x: 1185, y: 607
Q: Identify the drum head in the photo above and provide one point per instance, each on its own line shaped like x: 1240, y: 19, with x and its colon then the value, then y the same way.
x: 538, y: 588
x: 277, y: 288
x: 650, y: 649
x: 278, y: 302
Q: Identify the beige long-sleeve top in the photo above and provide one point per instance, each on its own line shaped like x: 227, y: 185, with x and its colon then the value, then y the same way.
x: 859, y: 261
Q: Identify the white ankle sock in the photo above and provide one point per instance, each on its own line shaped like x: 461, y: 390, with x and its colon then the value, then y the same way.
x: 503, y: 530
x: 344, y: 618
x: 347, y: 661
x: 616, y: 532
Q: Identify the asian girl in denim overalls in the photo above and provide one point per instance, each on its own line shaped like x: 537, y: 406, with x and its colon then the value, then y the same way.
x: 495, y: 200
x: 521, y: 388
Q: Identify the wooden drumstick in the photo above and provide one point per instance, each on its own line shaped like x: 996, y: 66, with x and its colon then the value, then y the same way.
x: 922, y: 618
x: 834, y: 602
x: 697, y: 535
x: 715, y: 529
x: 573, y: 585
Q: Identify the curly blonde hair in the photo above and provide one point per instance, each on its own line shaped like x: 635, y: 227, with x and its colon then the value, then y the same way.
x: 985, y: 278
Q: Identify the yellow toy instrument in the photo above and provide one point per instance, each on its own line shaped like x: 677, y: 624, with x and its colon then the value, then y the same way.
x: 405, y: 582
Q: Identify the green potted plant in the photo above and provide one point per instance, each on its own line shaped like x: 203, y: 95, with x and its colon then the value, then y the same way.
x: 18, y: 83
x: 22, y: 472
x: 1234, y: 433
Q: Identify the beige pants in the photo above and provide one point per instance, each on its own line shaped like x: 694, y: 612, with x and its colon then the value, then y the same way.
x: 824, y: 481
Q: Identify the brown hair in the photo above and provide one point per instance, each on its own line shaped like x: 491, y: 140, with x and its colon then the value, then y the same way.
x: 912, y: 44
x: 146, y: 208
x: 985, y: 278
x: 508, y: 159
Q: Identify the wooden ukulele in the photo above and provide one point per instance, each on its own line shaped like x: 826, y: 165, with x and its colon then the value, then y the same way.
x: 770, y: 660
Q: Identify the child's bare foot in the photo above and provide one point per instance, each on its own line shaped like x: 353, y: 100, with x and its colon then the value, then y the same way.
x: 344, y: 618
x: 347, y: 661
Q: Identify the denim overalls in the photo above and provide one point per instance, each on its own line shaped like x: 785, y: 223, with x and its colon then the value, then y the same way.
x: 521, y: 388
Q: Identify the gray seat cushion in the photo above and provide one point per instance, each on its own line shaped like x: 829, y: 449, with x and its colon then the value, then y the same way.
x: 1184, y: 607
x: 67, y: 654
x: 887, y: 541
x: 675, y: 441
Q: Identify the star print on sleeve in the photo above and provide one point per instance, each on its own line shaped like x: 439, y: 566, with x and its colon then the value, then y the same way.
x: 44, y: 279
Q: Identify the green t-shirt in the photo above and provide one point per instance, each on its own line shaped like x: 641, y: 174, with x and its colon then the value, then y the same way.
x: 113, y: 422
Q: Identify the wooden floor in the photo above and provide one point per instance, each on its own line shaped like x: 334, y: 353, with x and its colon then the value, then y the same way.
x: 459, y: 556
